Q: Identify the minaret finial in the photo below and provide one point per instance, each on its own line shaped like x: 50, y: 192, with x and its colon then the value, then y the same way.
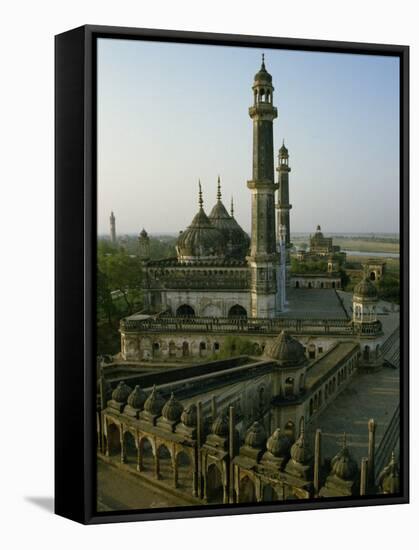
x: 344, y: 440
x: 200, y: 201
x: 219, y: 189
x: 232, y: 208
x: 263, y: 61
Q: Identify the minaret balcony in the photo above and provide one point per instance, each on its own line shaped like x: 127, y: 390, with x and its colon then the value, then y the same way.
x: 263, y: 111
x: 263, y: 184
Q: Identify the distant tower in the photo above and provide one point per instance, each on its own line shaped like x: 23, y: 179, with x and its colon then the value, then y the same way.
x: 263, y: 257
x: 113, y: 229
x: 144, y: 246
x: 282, y: 271
x: 284, y: 205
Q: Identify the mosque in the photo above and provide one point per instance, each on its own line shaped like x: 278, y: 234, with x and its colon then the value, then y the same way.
x: 248, y: 428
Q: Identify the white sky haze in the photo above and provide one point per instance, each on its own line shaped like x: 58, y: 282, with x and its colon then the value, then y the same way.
x: 170, y: 114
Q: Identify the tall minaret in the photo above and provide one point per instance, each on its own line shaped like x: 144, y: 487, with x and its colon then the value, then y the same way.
x: 113, y: 228
x: 263, y: 257
x: 284, y: 205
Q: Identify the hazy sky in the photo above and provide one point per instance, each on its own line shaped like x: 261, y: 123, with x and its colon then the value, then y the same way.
x: 169, y: 114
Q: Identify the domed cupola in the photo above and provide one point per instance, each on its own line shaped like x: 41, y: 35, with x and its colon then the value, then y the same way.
x: 389, y: 479
x: 343, y: 479
x: 135, y: 402
x: 365, y: 289
x: 201, y: 241
x: 301, y: 461
x: 343, y: 465
x: 262, y: 76
x: 237, y: 241
x: 287, y: 351
x: 137, y: 398
x: 121, y: 393
x: 189, y: 416
x: 188, y: 422
x: 119, y: 396
x: 277, y: 450
x: 152, y: 406
x: 220, y: 426
x: 170, y: 414
x: 255, y: 436
x: 172, y: 409
x: 278, y: 445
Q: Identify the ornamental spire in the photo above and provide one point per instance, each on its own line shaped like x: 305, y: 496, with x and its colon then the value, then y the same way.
x: 219, y: 189
x: 263, y: 62
x: 232, y: 208
x: 200, y: 201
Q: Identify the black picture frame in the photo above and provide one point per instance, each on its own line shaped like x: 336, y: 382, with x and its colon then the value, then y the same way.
x: 75, y: 246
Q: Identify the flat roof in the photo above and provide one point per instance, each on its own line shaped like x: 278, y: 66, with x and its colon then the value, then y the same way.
x: 328, y: 361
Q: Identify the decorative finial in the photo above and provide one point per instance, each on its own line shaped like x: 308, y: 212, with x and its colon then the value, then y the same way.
x: 283, y: 142
x: 232, y: 208
x: 263, y: 61
x: 219, y: 189
x: 200, y: 201
x: 344, y: 440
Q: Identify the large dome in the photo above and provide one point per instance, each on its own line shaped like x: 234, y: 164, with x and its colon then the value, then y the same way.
x: 286, y: 350
x: 236, y: 240
x: 201, y: 240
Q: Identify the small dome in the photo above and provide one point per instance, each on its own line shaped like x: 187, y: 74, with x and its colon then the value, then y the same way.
x: 262, y: 76
x: 220, y: 426
x: 255, y: 436
x: 390, y: 477
x: 343, y: 465
x: 154, y: 403
x: 365, y: 289
x: 300, y: 452
x: 172, y: 409
x: 286, y: 350
x: 283, y: 152
x: 121, y: 393
x: 189, y: 416
x: 278, y: 444
x: 137, y: 398
x: 143, y: 233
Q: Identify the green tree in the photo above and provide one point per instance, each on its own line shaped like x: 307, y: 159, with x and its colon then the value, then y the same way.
x: 123, y: 274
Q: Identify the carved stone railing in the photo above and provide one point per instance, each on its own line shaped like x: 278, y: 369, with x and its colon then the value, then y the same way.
x: 340, y: 327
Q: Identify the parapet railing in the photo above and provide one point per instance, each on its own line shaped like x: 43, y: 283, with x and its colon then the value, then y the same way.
x: 243, y: 325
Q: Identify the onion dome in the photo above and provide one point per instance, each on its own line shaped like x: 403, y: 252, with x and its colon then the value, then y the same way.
x: 390, y: 477
x: 137, y: 398
x: 237, y: 241
x: 172, y: 409
x: 300, y: 453
x: 143, y: 233
x: 343, y: 465
x: 365, y: 289
x: 283, y: 152
x: 201, y: 240
x: 154, y: 403
x: 286, y: 350
x: 220, y: 426
x: 121, y: 393
x: 278, y: 444
x: 262, y: 76
x: 189, y: 416
x: 255, y: 436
